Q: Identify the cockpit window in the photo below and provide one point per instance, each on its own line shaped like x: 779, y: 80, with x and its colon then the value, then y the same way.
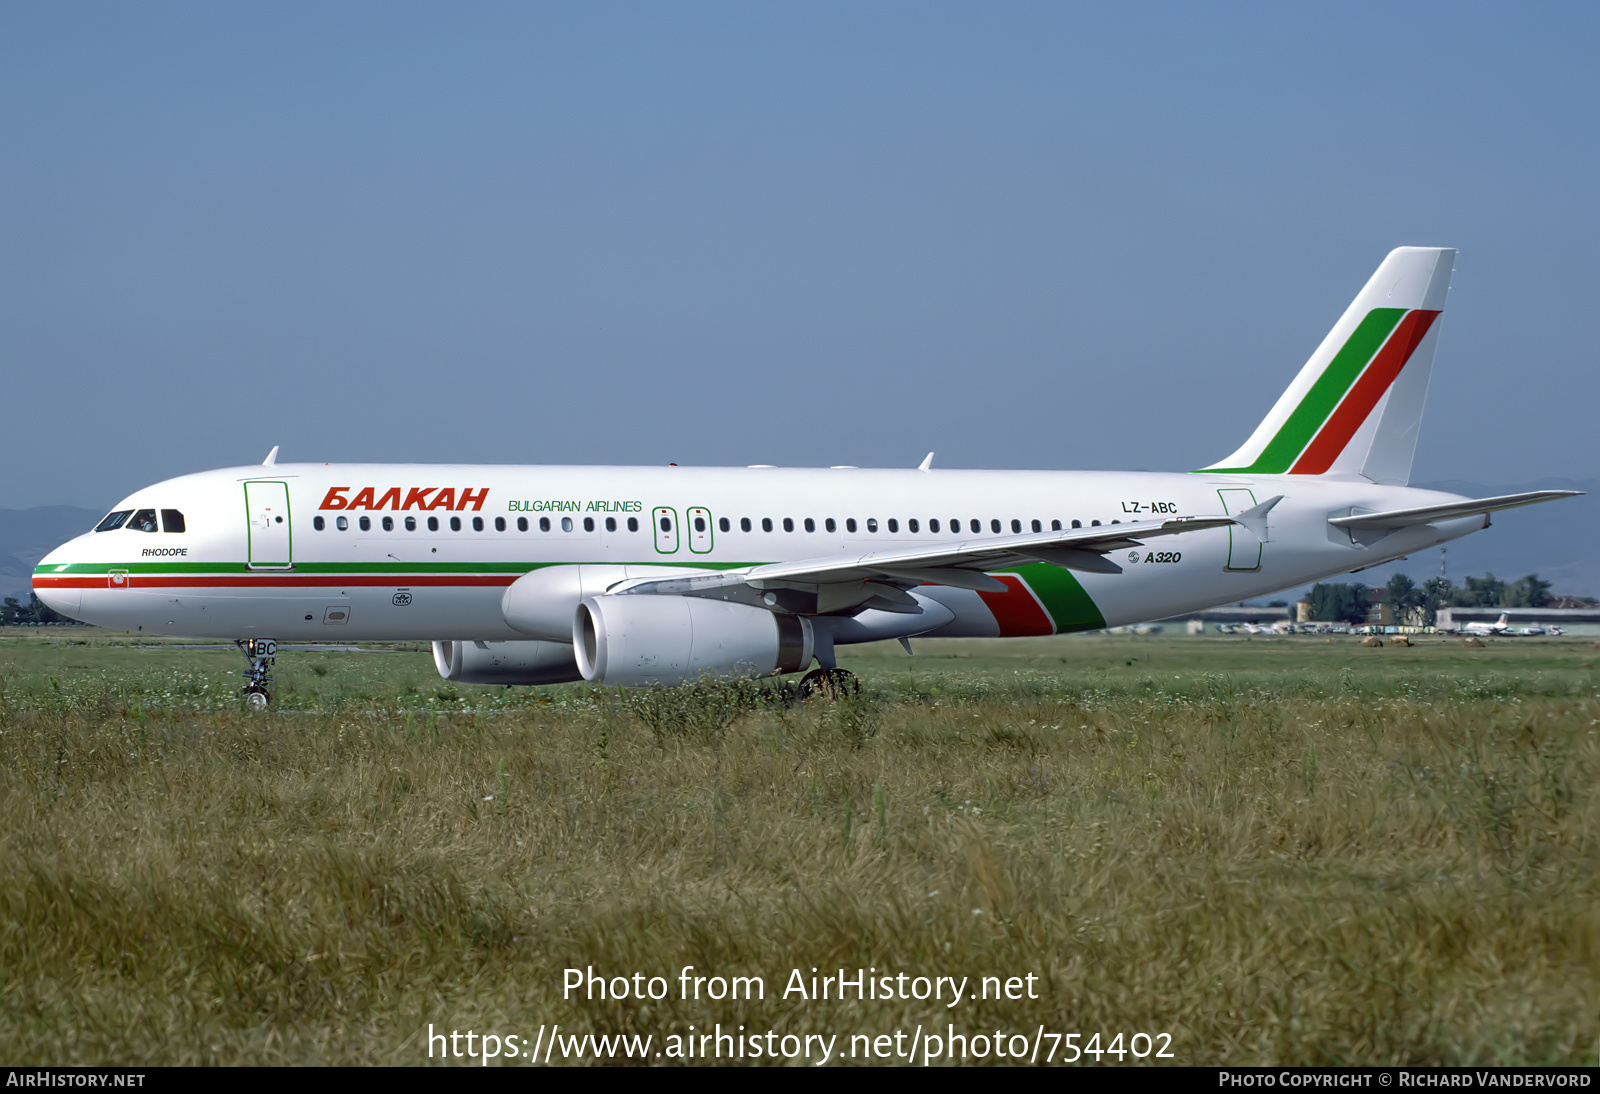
x: 114, y: 521
x: 144, y: 520
x: 171, y: 520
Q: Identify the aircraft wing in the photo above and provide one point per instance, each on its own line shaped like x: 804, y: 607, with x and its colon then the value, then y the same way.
x: 1427, y: 514
x: 879, y: 578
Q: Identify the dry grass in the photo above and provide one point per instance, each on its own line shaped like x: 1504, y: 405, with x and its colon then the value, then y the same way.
x: 1301, y: 865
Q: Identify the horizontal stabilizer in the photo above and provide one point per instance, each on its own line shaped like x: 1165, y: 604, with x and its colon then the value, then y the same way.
x: 1467, y: 507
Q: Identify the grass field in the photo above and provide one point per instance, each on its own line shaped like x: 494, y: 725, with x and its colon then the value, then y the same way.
x: 1278, y: 851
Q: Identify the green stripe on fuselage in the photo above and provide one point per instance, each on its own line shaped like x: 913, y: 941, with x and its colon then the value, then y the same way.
x: 1291, y: 440
x: 1070, y: 607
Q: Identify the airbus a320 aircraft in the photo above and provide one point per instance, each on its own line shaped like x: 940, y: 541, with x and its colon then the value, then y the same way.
x: 654, y: 575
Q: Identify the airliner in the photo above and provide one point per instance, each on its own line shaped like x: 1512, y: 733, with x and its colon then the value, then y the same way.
x: 637, y: 576
x: 1499, y: 626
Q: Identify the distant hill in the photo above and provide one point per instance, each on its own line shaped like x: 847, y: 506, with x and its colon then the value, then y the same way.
x: 27, y: 535
x: 1555, y: 540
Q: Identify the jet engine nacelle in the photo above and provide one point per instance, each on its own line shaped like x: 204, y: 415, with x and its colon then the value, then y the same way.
x: 639, y: 639
x: 541, y: 602
x: 506, y: 662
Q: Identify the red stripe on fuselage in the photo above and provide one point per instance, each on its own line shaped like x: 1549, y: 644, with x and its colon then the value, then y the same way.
x: 272, y: 581
x: 1364, y: 395
x: 1017, y: 612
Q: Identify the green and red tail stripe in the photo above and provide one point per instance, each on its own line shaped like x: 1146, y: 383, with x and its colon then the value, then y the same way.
x: 1343, y: 397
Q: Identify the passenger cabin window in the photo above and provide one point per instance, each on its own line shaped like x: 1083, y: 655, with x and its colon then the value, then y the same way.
x: 788, y: 524
x: 433, y: 523
x: 566, y: 524
x: 171, y: 520
x: 766, y: 524
x: 411, y: 524
x: 724, y: 524
x: 455, y: 524
x: 611, y: 524
x: 366, y: 524
x: 388, y: 524
x: 1016, y: 525
x: 1055, y: 526
x: 1092, y: 523
x: 318, y: 523
x: 477, y: 524
x: 113, y: 521
x: 811, y: 525
x: 850, y: 524
x: 830, y: 525
x: 143, y: 521
x: 872, y: 524
x: 342, y: 523
x: 744, y: 524
x: 522, y: 524
x: 977, y: 525
x: 633, y: 524
x: 894, y: 525
x: 588, y: 524
x: 933, y: 525
x: 1037, y: 527
x: 912, y: 525
x: 699, y: 524
x: 499, y: 524
x: 1077, y: 524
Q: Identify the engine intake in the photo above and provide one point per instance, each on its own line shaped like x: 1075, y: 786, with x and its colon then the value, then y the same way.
x: 641, y: 639
x: 506, y: 662
x: 540, y: 603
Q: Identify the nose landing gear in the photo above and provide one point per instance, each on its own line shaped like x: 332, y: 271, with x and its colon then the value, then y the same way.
x: 261, y: 653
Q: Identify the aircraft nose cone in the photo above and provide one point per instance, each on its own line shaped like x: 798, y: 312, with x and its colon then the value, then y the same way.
x: 48, y: 587
x: 67, y: 602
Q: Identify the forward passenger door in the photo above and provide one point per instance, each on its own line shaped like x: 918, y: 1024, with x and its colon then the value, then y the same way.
x: 268, y: 532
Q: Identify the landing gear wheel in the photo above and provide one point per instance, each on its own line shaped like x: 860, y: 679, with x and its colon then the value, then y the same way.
x: 261, y: 653
x: 831, y: 684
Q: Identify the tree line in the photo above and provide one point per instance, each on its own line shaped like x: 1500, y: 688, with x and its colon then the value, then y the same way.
x: 1418, y: 605
x: 13, y: 612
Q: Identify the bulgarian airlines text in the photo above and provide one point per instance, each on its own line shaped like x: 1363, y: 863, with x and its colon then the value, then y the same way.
x: 922, y: 1045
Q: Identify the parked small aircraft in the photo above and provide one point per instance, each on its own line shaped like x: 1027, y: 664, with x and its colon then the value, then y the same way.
x: 1499, y: 626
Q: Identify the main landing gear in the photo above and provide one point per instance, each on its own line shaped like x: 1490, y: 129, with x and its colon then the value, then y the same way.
x: 828, y: 680
x: 832, y: 684
x: 261, y: 653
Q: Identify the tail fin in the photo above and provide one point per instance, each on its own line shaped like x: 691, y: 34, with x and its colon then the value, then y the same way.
x: 1356, y: 405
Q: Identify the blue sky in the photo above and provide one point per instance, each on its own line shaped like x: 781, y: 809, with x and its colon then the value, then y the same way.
x: 1024, y: 235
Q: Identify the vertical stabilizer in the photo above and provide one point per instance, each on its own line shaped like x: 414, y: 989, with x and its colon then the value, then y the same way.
x: 1356, y: 406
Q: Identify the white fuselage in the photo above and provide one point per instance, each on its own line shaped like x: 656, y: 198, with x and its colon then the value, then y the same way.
x: 252, y: 560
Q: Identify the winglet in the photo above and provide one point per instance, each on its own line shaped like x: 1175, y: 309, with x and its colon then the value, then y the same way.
x: 272, y: 458
x: 927, y: 463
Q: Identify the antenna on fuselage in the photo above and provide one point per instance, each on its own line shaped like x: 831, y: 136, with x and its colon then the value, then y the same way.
x: 272, y: 458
